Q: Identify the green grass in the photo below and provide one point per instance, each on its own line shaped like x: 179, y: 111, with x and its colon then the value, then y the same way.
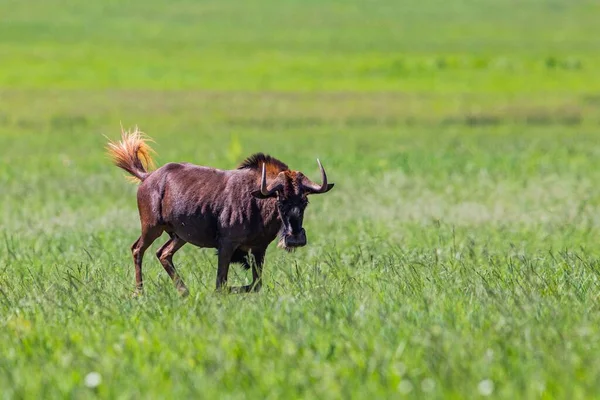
x: 498, y: 46
x: 458, y: 248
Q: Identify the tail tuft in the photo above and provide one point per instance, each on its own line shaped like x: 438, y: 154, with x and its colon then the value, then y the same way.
x: 132, y: 154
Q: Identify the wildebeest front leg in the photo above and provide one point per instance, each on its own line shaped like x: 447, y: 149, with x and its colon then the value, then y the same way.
x: 165, y: 256
x: 257, y: 264
x: 225, y: 252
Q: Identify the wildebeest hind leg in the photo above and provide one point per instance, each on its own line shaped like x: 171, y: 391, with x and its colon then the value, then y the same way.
x: 257, y: 266
x: 138, y: 249
x: 165, y: 256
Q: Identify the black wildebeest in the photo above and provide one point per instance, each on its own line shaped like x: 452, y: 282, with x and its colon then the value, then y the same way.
x: 238, y: 212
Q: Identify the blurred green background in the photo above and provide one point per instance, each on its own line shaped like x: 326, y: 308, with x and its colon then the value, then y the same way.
x: 455, y: 258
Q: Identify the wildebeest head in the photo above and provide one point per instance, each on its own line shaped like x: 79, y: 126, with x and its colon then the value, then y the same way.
x: 291, y: 188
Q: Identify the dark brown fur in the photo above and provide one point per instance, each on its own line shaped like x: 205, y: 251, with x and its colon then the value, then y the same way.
x: 213, y: 208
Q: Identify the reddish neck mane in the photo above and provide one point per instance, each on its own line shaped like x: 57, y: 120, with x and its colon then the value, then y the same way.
x: 256, y: 161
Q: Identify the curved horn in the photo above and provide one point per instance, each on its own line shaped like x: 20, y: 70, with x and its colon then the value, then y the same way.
x: 313, y: 187
x: 264, y: 190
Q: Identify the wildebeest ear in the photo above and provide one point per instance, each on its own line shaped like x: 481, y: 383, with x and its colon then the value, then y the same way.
x: 258, y: 194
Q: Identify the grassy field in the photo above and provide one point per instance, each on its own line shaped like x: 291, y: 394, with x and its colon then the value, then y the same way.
x: 457, y: 256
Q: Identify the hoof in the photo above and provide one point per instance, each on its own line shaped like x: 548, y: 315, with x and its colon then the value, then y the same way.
x: 183, y: 291
x: 246, y: 289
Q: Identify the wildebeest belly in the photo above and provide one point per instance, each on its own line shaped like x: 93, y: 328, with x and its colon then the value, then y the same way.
x: 200, y: 231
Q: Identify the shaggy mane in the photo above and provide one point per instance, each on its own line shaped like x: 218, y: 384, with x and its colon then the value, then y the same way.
x: 255, y: 161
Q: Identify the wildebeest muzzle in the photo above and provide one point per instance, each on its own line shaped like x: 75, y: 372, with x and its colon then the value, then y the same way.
x: 295, y: 239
